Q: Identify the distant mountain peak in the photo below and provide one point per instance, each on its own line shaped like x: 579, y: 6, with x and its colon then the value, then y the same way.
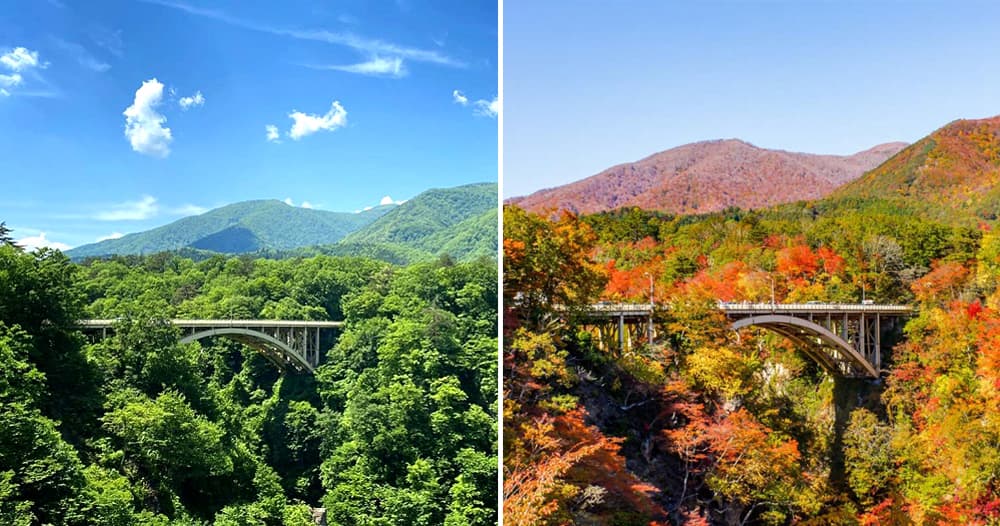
x: 708, y: 176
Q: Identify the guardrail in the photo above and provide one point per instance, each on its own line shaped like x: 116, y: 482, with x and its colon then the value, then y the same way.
x: 816, y: 307
x: 108, y: 323
x: 746, y: 307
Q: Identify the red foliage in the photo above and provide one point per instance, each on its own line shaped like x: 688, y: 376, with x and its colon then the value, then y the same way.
x: 974, y: 309
x: 797, y: 261
x: 879, y: 515
x: 717, y: 284
x: 833, y: 263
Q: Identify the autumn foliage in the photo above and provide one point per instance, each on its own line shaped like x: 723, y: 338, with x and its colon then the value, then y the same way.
x: 706, y: 426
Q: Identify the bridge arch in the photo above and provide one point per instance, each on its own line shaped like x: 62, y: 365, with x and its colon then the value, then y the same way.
x: 276, y: 350
x: 834, y: 352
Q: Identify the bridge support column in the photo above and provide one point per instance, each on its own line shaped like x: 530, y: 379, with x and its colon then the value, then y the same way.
x: 878, y: 343
x: 621, y: 333
x: 863, y: 338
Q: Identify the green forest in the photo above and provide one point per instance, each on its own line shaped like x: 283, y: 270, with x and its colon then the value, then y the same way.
x: 705, y: 425
x: 397, y: 426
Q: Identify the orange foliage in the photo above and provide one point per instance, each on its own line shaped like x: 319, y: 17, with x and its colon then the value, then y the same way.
x: 717, y: 284
x: 533, y: 485
x: 797, y: 261
x: 942, y: 284
x: 833, y: 263
x: 554, y: 458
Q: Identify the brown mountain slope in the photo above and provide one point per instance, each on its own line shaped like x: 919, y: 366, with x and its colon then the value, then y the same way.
x: 955, y: 171
x: 709, y: 176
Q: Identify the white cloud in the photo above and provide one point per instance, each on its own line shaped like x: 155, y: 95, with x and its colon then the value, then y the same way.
x: 272, y: 133
x: 20, y: 59
x: 459, y: 97
x: 305, y: 204
x: 16, y: 61
x: 367, y: 208
x: 144, y: 208
x: 377, y: 66
x: 33, y: 242
x: 109, y: 40
x: 93, y: 64
x: 144, y: 125
x: 113, y: 235
x: 389, y: 201
x: 195, y: 100
x: 189, y: 210
x: 11, y: 80
x: 487, y: 108
x: 83, y: 57
x: 306, y: 124
x: 368, y: 46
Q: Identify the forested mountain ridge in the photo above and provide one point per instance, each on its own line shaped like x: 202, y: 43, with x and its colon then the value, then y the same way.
x: 460, y: 222
x: 247, y: 226
x: 955, y: 171
x: 710, y: 176
x: 434, y: 217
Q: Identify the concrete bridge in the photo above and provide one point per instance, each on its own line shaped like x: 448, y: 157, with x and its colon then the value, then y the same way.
x: 288, y: 343
x: 845, y: 339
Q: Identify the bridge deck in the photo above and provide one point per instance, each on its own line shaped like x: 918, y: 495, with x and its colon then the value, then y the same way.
x: 645, y: 309
x: 845, y: 338
x: 815, y: 308
x: 194, y: 324
x: 294, y: 343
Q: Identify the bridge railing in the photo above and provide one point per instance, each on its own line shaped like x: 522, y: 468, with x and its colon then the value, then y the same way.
x: 816, y: 307
x: 108, y: 323
x: 748, y: 307
x: 621, y: 307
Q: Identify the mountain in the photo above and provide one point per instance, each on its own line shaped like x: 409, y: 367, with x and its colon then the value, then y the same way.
x: 709, y: 176
x: 238, y: 228
x: 460, y: 221
x: 953, y: 173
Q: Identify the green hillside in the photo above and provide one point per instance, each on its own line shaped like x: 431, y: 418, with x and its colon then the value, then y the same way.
x: 239, y: 228
x: 456, y: 221
x: 460, y: 222
x: 472, y: 238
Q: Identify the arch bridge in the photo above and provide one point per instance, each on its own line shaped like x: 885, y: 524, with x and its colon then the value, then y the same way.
x: 287, y: 343
x: 845, y: 339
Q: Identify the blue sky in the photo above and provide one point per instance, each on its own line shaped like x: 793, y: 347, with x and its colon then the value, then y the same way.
x: 589, y: 84
x: 120, y: 115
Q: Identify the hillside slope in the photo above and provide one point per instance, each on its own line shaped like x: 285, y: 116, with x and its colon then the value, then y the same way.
x: 710, y: 176
x: 458, y: 221
x: 953, y: 172
x: 240, y: 227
